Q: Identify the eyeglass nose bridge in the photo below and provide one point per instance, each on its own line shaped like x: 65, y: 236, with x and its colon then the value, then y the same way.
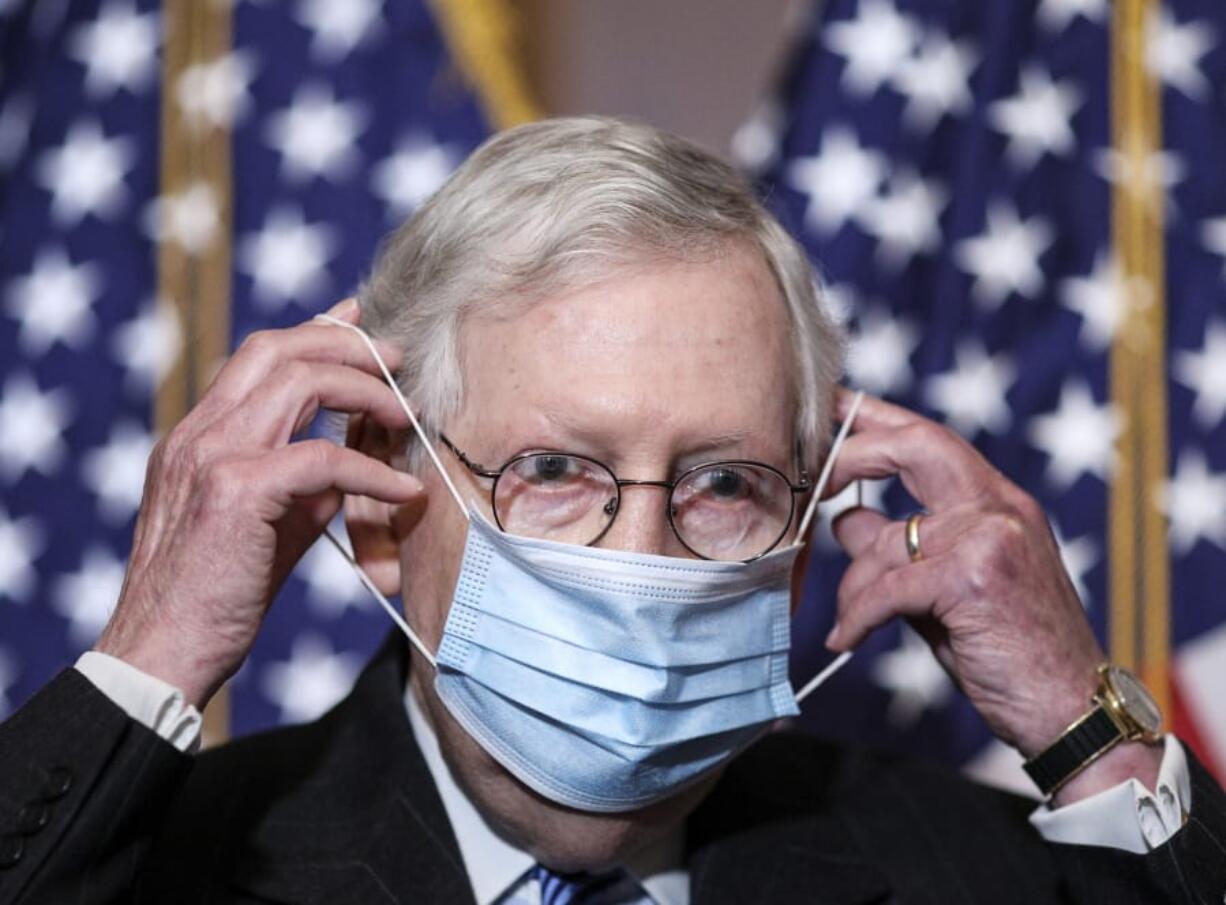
x: 612, y: 507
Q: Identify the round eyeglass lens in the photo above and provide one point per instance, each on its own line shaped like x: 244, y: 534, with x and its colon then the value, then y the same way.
x: 732, y: 510
x: 552, y: 496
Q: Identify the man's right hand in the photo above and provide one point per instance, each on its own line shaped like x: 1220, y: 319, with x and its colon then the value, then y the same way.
x: 231, y: 504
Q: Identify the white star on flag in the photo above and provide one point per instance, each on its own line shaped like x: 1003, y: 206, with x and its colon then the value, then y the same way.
x: 317, y: 134
x: 1204, y: 373
x: 337, y: 28
x: 755, y: 144
x: 972, y: 394
x: 1055, y: 15
x: 21, y: 543
x: 189, y: 218
x: 332, y: 585
x: 1078, y: 556
x: 148, y: 345
x: 1147, y: 176
x: 32, y: 423
x: 54, y: 303
x: 119, y: 49
x: 936, y: 81
x: 87, y: 597
x: 287, y: 259
x: 115, y: 472
x: 904, y: 219
x: 1173, y: 52
x: 840, y: 180
x: 913, y: 677
x: 1100, y: 298
x: 1078, y: 437
x: 216, y: 94
x: 85, y: 174
x: 1213, y: 234
x: 405, y: 179
x: 1004, y: 259
x: 1037, y: 120
x: 312, y: 680
x: 879, y: 353
x: 875, y: 45
x: 1194, y: 500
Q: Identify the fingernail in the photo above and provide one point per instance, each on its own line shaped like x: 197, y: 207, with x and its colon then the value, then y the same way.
x: 832, y: 639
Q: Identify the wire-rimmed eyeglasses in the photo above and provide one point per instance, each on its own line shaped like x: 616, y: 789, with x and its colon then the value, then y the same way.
x: 735, y: 510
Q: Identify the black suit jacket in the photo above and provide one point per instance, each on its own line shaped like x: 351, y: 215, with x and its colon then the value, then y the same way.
x: 96, y: 808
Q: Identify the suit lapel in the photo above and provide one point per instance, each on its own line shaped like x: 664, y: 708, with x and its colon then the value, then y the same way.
x: 769, y: 833
x: 372, y: 828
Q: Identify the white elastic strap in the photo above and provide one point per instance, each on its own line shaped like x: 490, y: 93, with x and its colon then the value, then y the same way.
x: 834, y: 666
x: 404, y: 404
x: 828, y: 468
x: 387, y: 604
x: 842, y: 659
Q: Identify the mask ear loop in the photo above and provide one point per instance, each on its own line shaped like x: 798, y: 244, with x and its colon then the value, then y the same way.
x: 823, y: 479
x: 429, y: 447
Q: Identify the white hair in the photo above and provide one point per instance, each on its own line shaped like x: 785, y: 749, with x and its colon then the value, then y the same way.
x: 559, y: 204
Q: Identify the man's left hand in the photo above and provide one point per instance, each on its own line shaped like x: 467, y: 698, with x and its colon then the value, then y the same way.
x: 988, y: 591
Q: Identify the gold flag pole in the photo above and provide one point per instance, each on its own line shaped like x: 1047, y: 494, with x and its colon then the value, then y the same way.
x: 194, y: 215
x: 1139, y: 622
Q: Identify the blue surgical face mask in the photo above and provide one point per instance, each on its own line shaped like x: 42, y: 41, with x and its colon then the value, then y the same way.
x: 603, y: 679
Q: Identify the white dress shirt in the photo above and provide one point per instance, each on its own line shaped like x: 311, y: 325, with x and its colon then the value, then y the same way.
x: 497, y: 870
x: 1127, y: 816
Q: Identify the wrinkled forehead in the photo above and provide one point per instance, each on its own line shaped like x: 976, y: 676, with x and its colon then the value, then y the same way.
x: 690, y: 351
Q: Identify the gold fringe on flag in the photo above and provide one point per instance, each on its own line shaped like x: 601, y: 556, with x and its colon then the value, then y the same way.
x: 482, y: 36
x: 1139, y: 623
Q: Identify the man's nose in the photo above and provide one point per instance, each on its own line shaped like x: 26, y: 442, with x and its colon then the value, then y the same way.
x: 641, y: 524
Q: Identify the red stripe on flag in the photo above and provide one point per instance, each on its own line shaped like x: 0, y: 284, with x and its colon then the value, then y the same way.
x: 1184, y: 725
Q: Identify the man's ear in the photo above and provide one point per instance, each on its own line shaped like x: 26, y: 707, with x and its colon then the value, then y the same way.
x: 375, y: 528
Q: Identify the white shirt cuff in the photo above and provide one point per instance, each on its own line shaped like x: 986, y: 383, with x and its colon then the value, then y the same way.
x: 1127, y: 816
x: 147, y: 699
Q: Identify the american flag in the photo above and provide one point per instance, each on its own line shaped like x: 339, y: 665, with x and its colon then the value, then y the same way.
x: 950, y: 166
x: 341, y: 118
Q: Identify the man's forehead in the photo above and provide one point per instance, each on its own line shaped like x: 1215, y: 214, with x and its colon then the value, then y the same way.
x: 669, y: 345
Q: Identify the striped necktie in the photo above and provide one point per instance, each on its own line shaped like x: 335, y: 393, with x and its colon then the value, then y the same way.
x: 577, y: 889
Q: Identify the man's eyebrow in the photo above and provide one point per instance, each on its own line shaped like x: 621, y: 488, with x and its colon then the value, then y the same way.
x: 694, y: 446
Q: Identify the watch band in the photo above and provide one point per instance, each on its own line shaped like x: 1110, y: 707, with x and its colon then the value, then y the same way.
x: 1074, y: 750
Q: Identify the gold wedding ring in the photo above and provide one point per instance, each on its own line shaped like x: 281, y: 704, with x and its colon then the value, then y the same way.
x: 912, y: 535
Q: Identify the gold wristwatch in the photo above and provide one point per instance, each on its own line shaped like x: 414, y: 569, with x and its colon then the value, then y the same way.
x: 1123, y: 711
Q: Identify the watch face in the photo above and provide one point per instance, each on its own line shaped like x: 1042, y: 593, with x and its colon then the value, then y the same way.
x: 1135, y: 700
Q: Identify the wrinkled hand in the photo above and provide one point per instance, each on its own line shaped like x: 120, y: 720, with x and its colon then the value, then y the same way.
x: 990, y: 593
x: 231, y: 504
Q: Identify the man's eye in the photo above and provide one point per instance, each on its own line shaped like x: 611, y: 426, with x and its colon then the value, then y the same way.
x: 551, y: 468
x: 726, y: 483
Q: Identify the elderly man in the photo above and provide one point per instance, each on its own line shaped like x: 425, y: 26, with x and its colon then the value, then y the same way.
x: 627, y: 389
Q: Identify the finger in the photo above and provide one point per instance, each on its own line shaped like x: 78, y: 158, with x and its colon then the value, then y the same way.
x: 347, y: 310
x: 264, y: 351
x: 313, y: 467
x: 912, y: 590
x: 937, y: 467
x: 881, y: 545
x: 274, y: 412
x: 856, y: 528
x: 873, y: 413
